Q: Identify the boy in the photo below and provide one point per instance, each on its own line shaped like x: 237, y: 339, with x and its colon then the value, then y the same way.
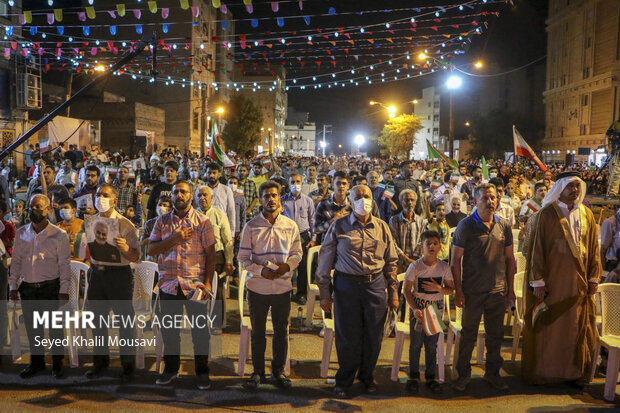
x: 440, y: 226
x: 427, y: 280
x: 70, y: 224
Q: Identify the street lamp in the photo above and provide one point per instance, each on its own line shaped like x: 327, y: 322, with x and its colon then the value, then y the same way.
x: 323, y: 145
x: 359, y: 141
x: 391, y: 109
x: 453, y: 82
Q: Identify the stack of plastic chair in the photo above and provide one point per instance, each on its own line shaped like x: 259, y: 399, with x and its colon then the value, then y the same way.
x: 610, y: 336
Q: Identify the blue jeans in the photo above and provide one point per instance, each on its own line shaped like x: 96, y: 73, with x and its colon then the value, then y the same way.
x: 419, y: 337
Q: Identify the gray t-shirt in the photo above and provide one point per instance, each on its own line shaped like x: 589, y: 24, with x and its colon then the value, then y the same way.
x: 484, y: 265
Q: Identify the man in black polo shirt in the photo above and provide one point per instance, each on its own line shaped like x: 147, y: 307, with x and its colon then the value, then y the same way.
x: 171, y: 171
x: 482, y: 243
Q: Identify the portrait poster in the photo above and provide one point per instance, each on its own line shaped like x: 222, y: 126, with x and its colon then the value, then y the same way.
x: 101, y: 234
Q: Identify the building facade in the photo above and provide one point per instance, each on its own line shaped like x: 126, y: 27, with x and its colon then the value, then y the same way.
x: 434, y: 116
x: 582, y: 94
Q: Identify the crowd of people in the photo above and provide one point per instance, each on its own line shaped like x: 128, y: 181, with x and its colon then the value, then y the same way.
x: 450, y: 230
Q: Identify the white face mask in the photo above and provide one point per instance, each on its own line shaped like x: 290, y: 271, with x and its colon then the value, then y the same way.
x: 66, y: 214
x: 161, y: 210
x: 193, y: 174
x: 233, y: 187
x: 362, y: 206
x: 102, y: 204
x: 492, y: 175
x: 295, y: 189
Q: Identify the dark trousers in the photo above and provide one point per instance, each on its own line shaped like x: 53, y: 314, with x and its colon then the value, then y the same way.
x: 280, y: 309
x: 493, y: 306
x: 41, y: 297
x: 359, y: 315
x: 302, y: 270
x: 171, y: 305
x: 4, y: 318
x: 220, y: 261
x: 418, y: 338
x: 111, y: 289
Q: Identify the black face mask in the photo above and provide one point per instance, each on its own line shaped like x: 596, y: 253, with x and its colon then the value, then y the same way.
x: 35, y: 216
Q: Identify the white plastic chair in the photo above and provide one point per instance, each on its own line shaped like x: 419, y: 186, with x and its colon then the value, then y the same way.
x: 77, y: 268
x: 313, y: 289
x: 143, y: 279
x: 328, y: 341
x: 610, y: 336
x: 403, y: 331
x: 519, y: 321
x: 454, y: 337
x: 246, y: 330
x: 521, y: 261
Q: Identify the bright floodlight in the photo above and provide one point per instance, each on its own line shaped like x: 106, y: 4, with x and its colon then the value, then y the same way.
x: 359, y: 140
x: 454, y: 82
x: 219, y: 110
x: 323, y: 144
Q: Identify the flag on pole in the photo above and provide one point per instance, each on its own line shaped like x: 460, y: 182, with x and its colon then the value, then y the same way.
x: 44, y: 144
x: 524, y: 150
x: 432, y: 321
x: 434, y: 153
x: 485, y: 169
x: 215, y: 150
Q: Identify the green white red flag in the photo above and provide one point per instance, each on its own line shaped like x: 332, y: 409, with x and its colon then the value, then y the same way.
x: 524, y: 150
x: 216, y: 153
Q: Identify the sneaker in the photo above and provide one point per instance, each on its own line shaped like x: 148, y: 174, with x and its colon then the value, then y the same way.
x: 412, y: 385
x: 370, y: 387
x: 203, y: 382
x: 253, y: 382
x: 166, y: 378
x: 461, y: 383
x: 282, y: 381
x: 495, y: 381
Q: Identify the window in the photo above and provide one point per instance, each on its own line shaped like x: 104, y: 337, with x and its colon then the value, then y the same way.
x: 586, y: 72
x: 584, y: 100
x: 429, y: 117
x: 195, y: 118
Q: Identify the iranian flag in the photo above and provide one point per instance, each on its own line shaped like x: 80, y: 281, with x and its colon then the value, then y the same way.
x: 44, y: 144
x: 216, y: 153
x: 434, y: 153
x: 524, y: 150
x: 432, y: 321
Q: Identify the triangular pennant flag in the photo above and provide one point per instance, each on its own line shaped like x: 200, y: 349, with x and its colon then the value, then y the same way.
x: 280, y: 21
x: 195, y: 11
x: 254, y: 23
x: 164, y: 27
x: 165, y: 12
x: 90, y: 12
x: 249, y: 8
x: 112, y: 14
x: 120, y: 9
x: 61, y: 30
x: 307, y: 20
x: 137, y: 13
x: 33, y: 30
x: 275, y: 6
x: 28, y: 16
x: 216, y: 3
x: 86, y: 30
x: 113, y: 30
x: 152, y: 6
x: 58, y: 14
x: 139, y: 28
x: 184, y: 4
x: 224, y: 9
x: 81, y: 16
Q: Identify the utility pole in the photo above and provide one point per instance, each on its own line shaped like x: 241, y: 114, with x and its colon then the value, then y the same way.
x: 323, y: 141
x: 203, y: 126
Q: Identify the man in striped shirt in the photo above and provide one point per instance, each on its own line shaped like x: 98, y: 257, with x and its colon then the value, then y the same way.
x: 270, y: 251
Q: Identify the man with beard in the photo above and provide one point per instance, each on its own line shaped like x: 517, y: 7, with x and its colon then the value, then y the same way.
x: 323, y: 191
x: 249, y: 190
x: 455, y: 215
x: 468, y: 187
x: 405, y: 181
x: 41, y: 259
x: 270, y: 250
x: 563, y: 271
x: 483, y: 267
x: 171, y: 169
x: 184, y: 242
x: 334, y: 207
x: 223, y: 198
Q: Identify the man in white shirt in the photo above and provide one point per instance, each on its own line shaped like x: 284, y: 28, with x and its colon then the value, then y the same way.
x: 223, y: 198
x: 504, y: 209
x: 270, y: 251
x: 42, y: 260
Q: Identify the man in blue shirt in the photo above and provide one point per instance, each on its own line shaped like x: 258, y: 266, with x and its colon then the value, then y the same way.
x: 300, y: 208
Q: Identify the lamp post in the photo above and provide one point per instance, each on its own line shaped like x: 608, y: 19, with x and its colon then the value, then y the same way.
x: 391, y: 109
x: 359, y: 141
x: 453, y: 82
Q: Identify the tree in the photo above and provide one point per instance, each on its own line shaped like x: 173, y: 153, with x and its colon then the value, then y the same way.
x: 491, y: 134
x: 398, y: 136
x: 244, y: 119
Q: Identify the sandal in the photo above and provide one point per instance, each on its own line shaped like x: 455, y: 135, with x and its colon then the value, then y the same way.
x: 434, y: 385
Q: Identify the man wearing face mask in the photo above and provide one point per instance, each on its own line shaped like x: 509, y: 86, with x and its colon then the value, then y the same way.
x: 222, y: 195
x: 162, y: 188
x: 70, y: 224
x: 362, y: 251
x: 44, y: 280
x: 111, y: 285
x: 194, y: 177
x: 300, y: 208
x: 164, y: 205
